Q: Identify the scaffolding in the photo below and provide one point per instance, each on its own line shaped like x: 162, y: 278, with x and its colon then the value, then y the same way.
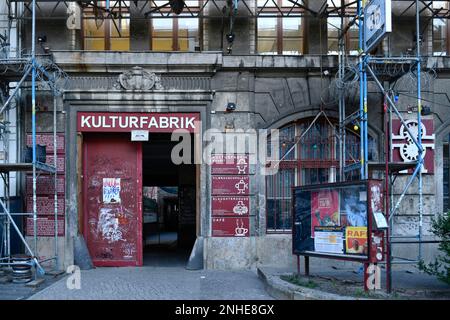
x: 369, y: 70
x: 27, y: 69
x: 365, y: 69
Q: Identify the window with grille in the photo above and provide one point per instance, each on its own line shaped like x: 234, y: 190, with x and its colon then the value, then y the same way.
x: 314, y: 160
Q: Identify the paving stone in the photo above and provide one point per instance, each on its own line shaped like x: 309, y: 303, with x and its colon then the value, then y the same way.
x: 159, y: 283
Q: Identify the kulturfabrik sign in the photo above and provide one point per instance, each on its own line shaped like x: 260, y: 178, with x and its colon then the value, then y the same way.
x: 126, y: 122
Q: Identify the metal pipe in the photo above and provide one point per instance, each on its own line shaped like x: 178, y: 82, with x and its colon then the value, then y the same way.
x: 419, y: 127
x: 33, y: 120
x: 393, y: 107
x: 386, y: 185
x: 13, y: 223
x: 418, y: 168
x: 361, y: 82
x: 48, y: 259
x: 55, y: 161
x: 365, y: 135
x: 16, y: 214
x: 16, y: 89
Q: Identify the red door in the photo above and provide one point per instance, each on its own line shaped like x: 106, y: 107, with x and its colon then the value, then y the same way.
x: 112, y: 168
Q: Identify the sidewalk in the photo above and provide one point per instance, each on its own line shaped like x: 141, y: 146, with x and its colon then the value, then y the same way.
x: 336, y: 279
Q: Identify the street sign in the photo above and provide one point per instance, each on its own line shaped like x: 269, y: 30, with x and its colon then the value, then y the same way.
x: 377, y: 22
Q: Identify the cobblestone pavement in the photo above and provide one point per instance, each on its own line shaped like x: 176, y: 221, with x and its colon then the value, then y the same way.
x: 159, y: 283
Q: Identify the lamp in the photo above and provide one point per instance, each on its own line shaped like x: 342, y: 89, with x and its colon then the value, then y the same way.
x: 177, y: 6
x: 231, y: 106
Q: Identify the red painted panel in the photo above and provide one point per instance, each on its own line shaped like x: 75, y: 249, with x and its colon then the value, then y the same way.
x: 45, y: 226
x: 230, y: 206
x: 113, y: 215
x: 230, y: 185
x: 230, y: 227
x: 229, y: 164
x: 46, y: 139
x: 49, y: 159
x: 46, y: 204
x: 45, y: 184
x: 126, y: 122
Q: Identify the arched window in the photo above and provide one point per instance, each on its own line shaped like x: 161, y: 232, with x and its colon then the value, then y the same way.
x: 314, y: 160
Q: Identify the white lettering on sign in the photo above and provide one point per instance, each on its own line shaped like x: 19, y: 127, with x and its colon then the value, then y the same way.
x: 134, y: 121
x: 85, y: 121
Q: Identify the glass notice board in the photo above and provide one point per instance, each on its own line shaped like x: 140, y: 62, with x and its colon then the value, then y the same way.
x: 335, y: 219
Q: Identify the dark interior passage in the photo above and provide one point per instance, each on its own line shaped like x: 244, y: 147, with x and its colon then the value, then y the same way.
x: 169, y: 205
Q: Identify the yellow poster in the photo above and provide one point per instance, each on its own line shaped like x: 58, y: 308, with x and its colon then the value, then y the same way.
x: 356, y: 240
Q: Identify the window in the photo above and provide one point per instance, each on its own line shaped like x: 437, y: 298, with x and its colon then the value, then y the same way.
x: 175, y: 33
x: 440, y: 30
x: 103, y: 32
x: 278, y: 33
x: 313, y: 161
x: 351, y: 38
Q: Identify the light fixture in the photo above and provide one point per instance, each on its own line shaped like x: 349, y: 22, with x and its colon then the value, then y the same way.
x: 177, y: 6
x: 231, y: 106
x: 42, y: 39
x: 426, y: 111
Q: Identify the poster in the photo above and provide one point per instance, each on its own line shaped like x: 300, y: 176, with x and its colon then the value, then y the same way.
x: 111, y: 190
x: 324, y: 209
x: 354, y: 206
x: 329, y: 239
x: 356, y: 240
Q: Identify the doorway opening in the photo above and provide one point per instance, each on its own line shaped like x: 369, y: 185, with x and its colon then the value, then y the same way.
x: 168, y: 203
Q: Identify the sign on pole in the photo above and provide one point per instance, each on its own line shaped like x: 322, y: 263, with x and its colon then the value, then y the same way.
x: 377, y: 22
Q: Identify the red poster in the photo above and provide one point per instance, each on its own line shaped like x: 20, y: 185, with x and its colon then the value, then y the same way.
x: 45, y: 205
x: 229, y: 164
x: 230, y: 227
x: 45, y: 184
x: 230, y: 185
x: 45, y: 226
x: 324, y: 209
x: 60, y: 162
x: 230, y: 206
x: 46, y: 139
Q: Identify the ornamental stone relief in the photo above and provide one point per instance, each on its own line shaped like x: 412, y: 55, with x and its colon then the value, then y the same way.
x: 138, y: 79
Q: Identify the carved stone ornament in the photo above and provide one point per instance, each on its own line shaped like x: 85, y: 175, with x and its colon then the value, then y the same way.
x: 138, y: 79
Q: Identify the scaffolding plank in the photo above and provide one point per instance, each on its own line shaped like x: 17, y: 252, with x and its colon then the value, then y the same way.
x: 22, y: 166
x: 392, y: 166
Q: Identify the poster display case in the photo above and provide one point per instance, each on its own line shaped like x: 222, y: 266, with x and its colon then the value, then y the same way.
x: 339, y: 220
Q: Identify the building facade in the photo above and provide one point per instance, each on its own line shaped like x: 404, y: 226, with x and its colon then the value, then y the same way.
x: 179, y: 69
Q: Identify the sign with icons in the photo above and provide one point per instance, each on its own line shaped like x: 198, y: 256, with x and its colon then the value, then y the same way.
x: 230, y: 227
x: 230, y: 195
x: 230, y: 206
x: 229, y: 164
